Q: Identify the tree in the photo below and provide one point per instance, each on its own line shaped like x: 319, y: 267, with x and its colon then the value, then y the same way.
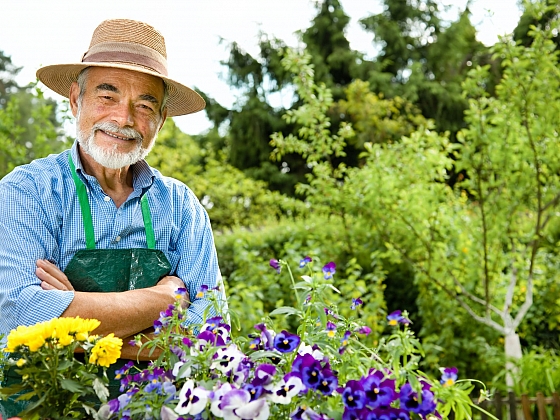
x: 29, y: 127
x: 484, y: 241
x: 424, y: 59
x: 230, y: 197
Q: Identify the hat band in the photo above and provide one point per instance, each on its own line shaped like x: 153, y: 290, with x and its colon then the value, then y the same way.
x: 126, y: 57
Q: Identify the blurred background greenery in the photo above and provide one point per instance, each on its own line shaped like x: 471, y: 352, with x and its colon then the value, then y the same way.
x: 429, y: 174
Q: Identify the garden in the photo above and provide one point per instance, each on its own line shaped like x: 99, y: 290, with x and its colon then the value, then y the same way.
x: 389, y: 243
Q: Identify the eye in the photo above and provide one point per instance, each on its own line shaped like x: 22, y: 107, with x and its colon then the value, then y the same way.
x: 146, y: 107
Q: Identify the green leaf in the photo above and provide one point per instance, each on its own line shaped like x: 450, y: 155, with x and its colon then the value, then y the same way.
x: 100, y: 389
x: 263, y: 354
x: 64, y: 364
x: 286, y: 310
x: 71, y: 385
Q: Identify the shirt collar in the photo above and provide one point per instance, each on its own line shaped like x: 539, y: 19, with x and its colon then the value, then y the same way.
x: 142, y: 174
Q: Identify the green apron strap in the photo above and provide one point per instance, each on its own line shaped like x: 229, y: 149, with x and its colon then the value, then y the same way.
x: 86, y: 212
x: 84, y: 206
x: 150, y: 235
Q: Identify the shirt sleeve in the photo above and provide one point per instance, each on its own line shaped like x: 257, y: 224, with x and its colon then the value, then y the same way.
x: 27, y: 233
x: 198, y: 262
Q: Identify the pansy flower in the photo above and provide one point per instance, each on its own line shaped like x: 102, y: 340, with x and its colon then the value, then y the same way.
x: 276, y: 265
x: 396, y: 317
x: 355, y: 303
x: 286, y: 342
x: 410, y: 400
x: 353, y: 395
x: 380, y: 392
x: 237, y: 404
x: 180, y: 293
x: 191, y: 400
x: 363, y: 330
x: 288, y: 387
x: 264, y: 374
x: 304, y: 261
x: 201, y: 291
x: 344, y: 342
x: 329, y: 270
x: 267, y: 338
x: 449, y: 376
x: 227, y: 359
x: 331, y: 329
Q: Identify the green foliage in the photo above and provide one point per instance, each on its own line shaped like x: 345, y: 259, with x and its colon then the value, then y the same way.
x: 230, y: 197
x: 242, y: 253
x: 376, y: 119
x: 539, y: 371
x: 29, y: 128
x: 424, y: 59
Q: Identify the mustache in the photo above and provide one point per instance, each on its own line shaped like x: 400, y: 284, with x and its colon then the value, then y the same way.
x: 127, y: 132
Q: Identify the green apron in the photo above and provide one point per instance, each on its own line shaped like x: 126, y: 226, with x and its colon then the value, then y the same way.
x: 105, y: 270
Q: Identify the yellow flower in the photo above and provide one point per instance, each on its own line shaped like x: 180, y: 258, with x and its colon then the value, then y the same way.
x: 59, y: 330
x: 106, y: 351
x: 21, y: 362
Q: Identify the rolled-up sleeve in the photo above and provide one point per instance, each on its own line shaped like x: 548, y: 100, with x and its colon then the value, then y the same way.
x: 26, y: 235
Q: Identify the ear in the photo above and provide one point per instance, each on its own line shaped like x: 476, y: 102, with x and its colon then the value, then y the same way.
x: 163, y: 118
x: 74, y: 94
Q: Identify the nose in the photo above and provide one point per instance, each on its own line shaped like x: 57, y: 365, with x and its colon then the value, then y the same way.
x: 123, y: 114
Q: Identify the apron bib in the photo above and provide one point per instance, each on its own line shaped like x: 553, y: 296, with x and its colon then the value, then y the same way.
x: 105, y: 270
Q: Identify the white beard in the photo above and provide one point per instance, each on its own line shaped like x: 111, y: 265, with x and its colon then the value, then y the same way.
x: 112, y: 158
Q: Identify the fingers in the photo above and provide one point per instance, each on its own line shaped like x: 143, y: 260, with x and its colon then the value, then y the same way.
x: 174, y: 283
x: 51, y: 277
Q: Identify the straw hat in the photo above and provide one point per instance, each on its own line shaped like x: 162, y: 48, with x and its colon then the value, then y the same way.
x: 130, y: 45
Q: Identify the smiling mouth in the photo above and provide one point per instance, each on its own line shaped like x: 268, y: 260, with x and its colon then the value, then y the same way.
x: 116, y: 136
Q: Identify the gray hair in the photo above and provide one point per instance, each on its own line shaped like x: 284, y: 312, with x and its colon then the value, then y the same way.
x: 82, y: 77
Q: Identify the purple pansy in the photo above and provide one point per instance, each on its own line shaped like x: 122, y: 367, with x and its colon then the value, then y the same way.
x: 411, y: 401
x: 396, y: 318
x: 331, y: 329
x: 354, y: 396
x: 355, y: 303
x: 201, y: 291
x: 303, y: 262
x: 344, y: 342
x: 449, y: 376
x: 286, y: 342
x: 380, y: 392
x: 267, y: 340
x: 276, y: 265
x: 329, y: 270
x: 363, y: 330
x: 264, y: 374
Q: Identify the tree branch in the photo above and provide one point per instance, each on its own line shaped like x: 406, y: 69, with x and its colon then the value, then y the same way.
x: 484, y: 320
x: 513, y: 281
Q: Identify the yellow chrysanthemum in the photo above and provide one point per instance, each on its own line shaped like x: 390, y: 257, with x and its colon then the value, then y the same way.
x: 106, y: 351
x: 33, y: 337
x: 60, y: 330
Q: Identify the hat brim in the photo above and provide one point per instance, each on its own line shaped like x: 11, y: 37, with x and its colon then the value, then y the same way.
x: 182, y: 100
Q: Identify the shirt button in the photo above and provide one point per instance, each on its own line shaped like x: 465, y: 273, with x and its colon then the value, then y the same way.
x: 118, y: 238
x: 107, y: 198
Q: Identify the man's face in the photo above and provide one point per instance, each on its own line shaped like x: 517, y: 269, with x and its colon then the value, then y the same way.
x: 118, y: 116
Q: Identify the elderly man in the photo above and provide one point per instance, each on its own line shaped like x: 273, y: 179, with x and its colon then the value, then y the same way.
x: 94, y: 231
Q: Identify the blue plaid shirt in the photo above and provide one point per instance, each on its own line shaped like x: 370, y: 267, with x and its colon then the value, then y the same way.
x: 40, y: 218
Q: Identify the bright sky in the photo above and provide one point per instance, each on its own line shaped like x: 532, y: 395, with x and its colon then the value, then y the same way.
x: 42, y: 32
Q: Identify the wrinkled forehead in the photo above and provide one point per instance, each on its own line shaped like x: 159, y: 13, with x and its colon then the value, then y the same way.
x: 124, y: 81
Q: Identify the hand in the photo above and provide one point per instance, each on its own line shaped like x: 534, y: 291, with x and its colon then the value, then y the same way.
x: 51, y: 277
x: 174, y: 283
